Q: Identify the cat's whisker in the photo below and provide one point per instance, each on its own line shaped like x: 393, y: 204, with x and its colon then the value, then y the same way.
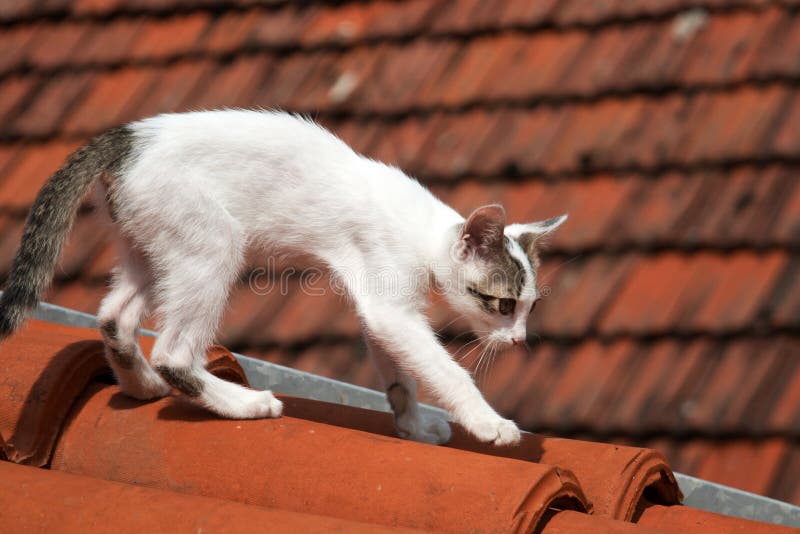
x: 439, y: 331
x: 492, y: 352
x: 461, y: 358
x: 477, y: 346
x: 528, y: 348
x: 559, y: 267
x: 476, y: 375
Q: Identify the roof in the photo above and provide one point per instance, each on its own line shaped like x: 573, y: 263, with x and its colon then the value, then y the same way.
x: 320, y: 466
x: 665, y: 129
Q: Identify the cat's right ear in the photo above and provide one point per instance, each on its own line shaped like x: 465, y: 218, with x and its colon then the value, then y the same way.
x: 482, y: 234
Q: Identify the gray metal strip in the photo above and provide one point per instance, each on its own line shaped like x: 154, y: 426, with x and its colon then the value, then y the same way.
x: 698, y: 493
x: 705, y: 495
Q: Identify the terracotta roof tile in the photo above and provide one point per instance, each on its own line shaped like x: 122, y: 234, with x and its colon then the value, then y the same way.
x: 567, y: 522
x: 281, y: 28
x: 51, y: 105
x: 571, y: 13
x: 524, y: 13
x: 234, y: 85
x: 55, y: 44
x: 726, y: 463
x: 526, y: 489
x: 553, y: 69
x: 689, y: 520
x: 95, y: 7
x: 615, y: 489
x: 15, y: 91
x: 775, y: 475
x: 616, y: 484
x: 110, y: 43
x: 39, y: 500
x: 169, y: 37
x: 83, y: 244
x: 79, y: 296
x: 672, y: 146
x: 26, y: 174
x: 15, y: 41
x: 405, y: 74
x: 51, y: 365
x: 176, y: 89
x: 786, y: 411
x: 103, y: 260
x: 8, y: 154
x: 110, y: 101
x: 735, y: 302
x: 12, y: 228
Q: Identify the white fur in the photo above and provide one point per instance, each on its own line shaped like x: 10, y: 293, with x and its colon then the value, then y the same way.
x: 207, y: 189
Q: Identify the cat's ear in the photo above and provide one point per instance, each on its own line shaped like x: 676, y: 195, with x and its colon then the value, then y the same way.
x: 529, y: 234
x: 482, y: 234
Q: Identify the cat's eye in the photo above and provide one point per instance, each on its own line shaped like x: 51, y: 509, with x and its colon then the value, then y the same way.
x: 506, y: 306
x: 482, y: 296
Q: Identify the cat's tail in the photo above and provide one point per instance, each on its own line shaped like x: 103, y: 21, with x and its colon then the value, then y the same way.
x: 50, y: 219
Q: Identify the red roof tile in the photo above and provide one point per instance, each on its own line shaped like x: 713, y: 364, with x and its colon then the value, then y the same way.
x: 173, y: 446
x: 39, y: 500
x: 113, y: 97
x: 169, y: 37
x: 674, y: 152
x: 688, y: 520
x: 387, y: 466
x: 48, y: 366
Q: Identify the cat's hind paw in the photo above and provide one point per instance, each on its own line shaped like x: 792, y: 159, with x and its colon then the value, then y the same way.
x: 147, y: 385
x: 426, y: 428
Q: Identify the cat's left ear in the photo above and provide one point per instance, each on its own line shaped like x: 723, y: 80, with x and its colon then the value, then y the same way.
x: 528, y: 234
x: 482, y: 233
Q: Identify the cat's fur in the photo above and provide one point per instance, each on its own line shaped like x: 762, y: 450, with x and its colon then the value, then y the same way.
x: 192, y: 194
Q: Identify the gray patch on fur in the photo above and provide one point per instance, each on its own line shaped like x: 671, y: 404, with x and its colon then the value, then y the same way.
x: 505, y: 277
x: 397, y: 395
x: 50, y: 219
x: 528, y: 244
x: 182, y: 379
x: 124, y: 357
x: 109, y: 331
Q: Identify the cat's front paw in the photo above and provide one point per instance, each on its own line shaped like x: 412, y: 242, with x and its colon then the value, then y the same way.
x: 145, y: 385
x: 263, y: 405
x: 496, y: 430
x: 426, y: 428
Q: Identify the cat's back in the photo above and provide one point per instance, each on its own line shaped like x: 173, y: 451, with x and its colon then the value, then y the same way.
x: 231, y: 129
x: 239, y: 154
x: 256, y: 164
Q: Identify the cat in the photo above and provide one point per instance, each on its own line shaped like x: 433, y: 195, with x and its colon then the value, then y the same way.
x: 190, y: 195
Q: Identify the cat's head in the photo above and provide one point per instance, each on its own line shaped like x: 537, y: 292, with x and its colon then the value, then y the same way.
x: 495, y: 268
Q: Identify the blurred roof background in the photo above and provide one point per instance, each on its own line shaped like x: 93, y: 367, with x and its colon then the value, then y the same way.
x: 667, y: 129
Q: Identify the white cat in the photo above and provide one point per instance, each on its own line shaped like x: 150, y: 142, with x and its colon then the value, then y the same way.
x: 191, y: 195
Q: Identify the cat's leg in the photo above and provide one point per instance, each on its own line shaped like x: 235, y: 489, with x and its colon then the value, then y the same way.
x: 119, y: 318
x: 192, y: 293
x: 412, y: 344
x: 401, y: 392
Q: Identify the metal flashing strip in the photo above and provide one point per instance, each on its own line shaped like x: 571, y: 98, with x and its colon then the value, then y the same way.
x: 698, y: 493
x: 712, y: 497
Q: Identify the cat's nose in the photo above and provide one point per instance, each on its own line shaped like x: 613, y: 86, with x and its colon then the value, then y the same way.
x: 516, y: 341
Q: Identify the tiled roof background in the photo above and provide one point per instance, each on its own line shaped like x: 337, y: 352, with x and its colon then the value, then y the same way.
x: 667, y: 129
